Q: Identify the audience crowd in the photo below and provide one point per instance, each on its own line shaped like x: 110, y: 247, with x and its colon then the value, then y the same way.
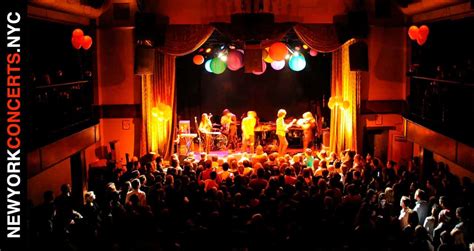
x: 308, y: 201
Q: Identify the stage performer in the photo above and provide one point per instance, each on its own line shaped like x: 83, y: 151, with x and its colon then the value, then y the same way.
x: 229, y: 128
x: 308, y: 124
x: 248, y: 131
x: 281, y: 129
x: 205, y: 128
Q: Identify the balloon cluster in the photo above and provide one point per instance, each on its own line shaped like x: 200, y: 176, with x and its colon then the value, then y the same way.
x: 78, y: 40
x: 419, y: 34
x: 338, y: 102
x: 276, y: 55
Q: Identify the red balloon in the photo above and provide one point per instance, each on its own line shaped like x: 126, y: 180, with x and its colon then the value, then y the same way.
x: 420, y: 40
x: 198, y: 59
x: 278, y: 51
x: 77, y: 33
x: 235, y: 60
x: 423, y: 32
x: 264, y: 67
x: 413, y: 32
x: 76, y: 42
x: 87, y: 42
x: 313, y: 53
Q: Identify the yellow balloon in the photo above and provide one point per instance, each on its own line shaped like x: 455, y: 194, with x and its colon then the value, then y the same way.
x: 346, y: 104
x: 266, y: 56
x: 331, y: 104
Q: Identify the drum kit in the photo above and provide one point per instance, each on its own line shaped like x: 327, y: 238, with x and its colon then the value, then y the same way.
x: 218, y: 139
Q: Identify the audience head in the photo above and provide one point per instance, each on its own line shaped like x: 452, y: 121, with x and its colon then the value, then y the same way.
x: 136, y: 184
x: 48, y: 196
x: 213, y: 175
x: 89, y: 197
x: 404, y: 202
x: 419, y: 195
x: 66, y: 189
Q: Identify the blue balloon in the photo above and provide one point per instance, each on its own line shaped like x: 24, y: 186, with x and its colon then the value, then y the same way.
x: 207, y: 65
x: 297, y: 62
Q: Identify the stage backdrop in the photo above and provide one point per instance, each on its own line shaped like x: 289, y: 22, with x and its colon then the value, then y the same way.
x: 199, y: 91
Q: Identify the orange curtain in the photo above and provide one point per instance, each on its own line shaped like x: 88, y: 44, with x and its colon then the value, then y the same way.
x: 321, y: 37
x: 158, y: 88
x: 344, y: 86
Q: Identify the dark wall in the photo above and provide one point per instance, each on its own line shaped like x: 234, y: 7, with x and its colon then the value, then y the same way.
x: 60, y: 81
x: 200, y: 91
x: 442, y: 82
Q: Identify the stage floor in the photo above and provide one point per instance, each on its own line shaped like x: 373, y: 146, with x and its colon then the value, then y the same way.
x: 224, y: 154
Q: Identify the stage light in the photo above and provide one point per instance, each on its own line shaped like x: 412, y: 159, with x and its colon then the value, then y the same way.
x: 305, y: 46
x: 208, y: 50
x: 297, y: 62
x: 207, y: 65
x: 222, y: 56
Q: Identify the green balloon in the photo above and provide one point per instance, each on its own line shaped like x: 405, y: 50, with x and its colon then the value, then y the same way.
x: 218, y: 66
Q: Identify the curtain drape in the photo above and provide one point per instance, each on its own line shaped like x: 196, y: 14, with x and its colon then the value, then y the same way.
x: 344, y: 84
x: 321, y: 37
x: 158, y: 88
x: 183, y: 39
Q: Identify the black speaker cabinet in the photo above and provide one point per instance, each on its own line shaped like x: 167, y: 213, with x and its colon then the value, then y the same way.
x: 382, y: 9
x: 358, y: 24
x: 354, y: 24
x: 144, y: 60
x: 150, y: 28
x: 359, y: 56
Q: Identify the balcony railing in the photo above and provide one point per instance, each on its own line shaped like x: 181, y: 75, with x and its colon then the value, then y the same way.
x: 445, y: 106
x: 58, y: 110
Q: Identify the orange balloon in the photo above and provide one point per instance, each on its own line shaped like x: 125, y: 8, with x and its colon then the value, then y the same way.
x: 76, y: 42
x: 278, y: 51
x: 77, y: 33
x: 87, y: 42
x: 198, y: 59
x: 413, y: 32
